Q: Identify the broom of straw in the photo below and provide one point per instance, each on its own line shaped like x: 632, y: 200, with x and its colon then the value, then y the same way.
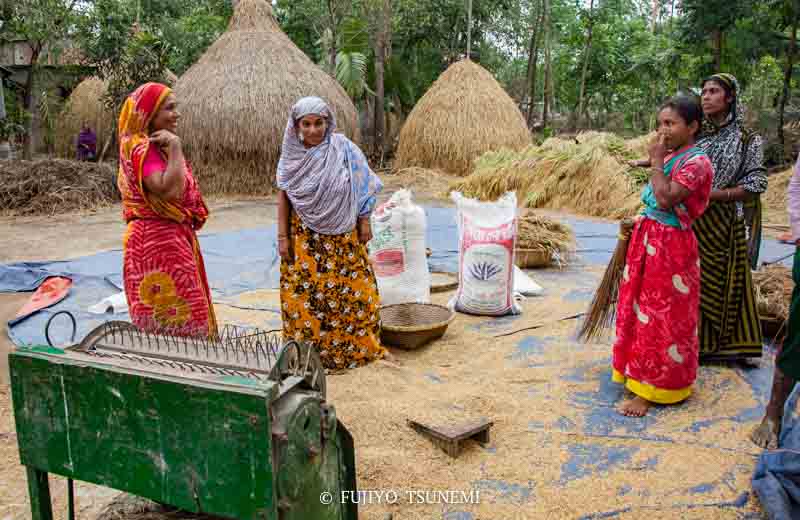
x: 603, y: 308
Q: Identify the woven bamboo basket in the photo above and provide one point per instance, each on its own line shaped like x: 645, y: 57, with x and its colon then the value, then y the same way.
x: 443, y: 282
x: 530, y: 258
x: 412, y: 325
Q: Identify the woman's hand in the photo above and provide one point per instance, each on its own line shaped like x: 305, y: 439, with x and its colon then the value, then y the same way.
x: 657, y: 151
x: 364, y: 230
x: 639, y: 163
x: 165, y: 139
x: 285, y: 249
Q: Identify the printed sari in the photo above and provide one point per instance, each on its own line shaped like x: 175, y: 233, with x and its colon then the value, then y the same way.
x: 329, y: 294
x: 164, y: 273
x: 729, y: 238
x: 656, y: 351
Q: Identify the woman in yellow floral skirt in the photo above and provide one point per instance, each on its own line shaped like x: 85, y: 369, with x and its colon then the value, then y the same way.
x: 329, y: 296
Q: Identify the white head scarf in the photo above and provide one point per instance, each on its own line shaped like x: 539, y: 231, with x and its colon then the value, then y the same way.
x: 317, y: 180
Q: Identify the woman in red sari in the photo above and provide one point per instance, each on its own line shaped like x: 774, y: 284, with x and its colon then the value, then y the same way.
x: 165, y: 279
x: 657, y: 350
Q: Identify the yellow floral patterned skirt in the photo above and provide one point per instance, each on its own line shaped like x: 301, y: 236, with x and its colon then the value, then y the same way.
x: 329, y: 297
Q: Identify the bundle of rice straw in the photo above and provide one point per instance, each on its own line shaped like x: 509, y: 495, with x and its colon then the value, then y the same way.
x: 539, y: 233
x: 773, y: 285
x: 638, y: 146
x: 588, y: 174
x: 51, y: 186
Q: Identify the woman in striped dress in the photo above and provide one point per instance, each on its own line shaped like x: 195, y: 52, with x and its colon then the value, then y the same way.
x: 729, y: 232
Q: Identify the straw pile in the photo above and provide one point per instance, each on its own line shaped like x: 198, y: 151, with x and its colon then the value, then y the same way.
x: 463, y: 115
x: 775, y: 197
x: 587, y: 175
x: 773, y: 285
x: 236, y: 99
x: 540, y: 233
x: 52, y: 186
x: 85, y: 104
x: 638, y: 146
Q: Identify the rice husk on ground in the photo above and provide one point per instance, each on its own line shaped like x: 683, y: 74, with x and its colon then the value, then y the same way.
x: 541, y: 390
x: 540, y: 233
x: 587, y: 174
x: 773, y: 285
x: 51, y: 186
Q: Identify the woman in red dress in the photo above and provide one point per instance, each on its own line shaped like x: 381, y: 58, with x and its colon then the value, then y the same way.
x: 165, y: 279
x: 656, y: 351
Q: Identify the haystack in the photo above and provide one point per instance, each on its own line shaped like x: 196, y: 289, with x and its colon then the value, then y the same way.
x: 465, y: 114
x: 588, y: 175
x: 236, y: 99
x: 86, y: 103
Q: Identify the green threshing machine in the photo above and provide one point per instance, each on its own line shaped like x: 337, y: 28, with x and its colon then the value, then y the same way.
x: 236, y: 427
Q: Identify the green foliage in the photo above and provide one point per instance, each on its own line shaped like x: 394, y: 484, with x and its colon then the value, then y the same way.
x: 351, y: 73
x: 185, y: 27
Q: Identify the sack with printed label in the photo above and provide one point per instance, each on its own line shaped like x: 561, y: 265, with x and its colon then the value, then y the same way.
x: 398, y: 253
x: 487, y: 234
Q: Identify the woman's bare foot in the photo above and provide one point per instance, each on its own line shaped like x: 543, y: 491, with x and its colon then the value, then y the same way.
x: 766, y: 434
x: 636, y: 407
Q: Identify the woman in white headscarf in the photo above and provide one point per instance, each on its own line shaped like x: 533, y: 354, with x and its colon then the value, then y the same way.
x: 329, y: 296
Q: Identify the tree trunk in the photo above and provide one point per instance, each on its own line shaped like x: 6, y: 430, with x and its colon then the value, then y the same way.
x: 379, y: 94
x: 787, y: 80
x: 533, y: 60
x: 654, y: 16
x: 547, y: 80
x: 332, y: 52
x: 469, y: 29
x: 28, y: 102
x: 587, y: 49
x: 380, y: 59
x: 716, y: 42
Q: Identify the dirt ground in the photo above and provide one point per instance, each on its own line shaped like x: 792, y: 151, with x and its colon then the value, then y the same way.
x: 537, y: 424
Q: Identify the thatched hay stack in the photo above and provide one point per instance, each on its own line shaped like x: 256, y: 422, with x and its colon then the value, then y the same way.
x: 464, y: 114
x: 236, y: 99
x: 586, y: 175
x: 84, y: 104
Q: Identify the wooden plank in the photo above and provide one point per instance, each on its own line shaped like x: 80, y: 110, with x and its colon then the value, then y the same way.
x: 450, y: 437
x: 195, y: 446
